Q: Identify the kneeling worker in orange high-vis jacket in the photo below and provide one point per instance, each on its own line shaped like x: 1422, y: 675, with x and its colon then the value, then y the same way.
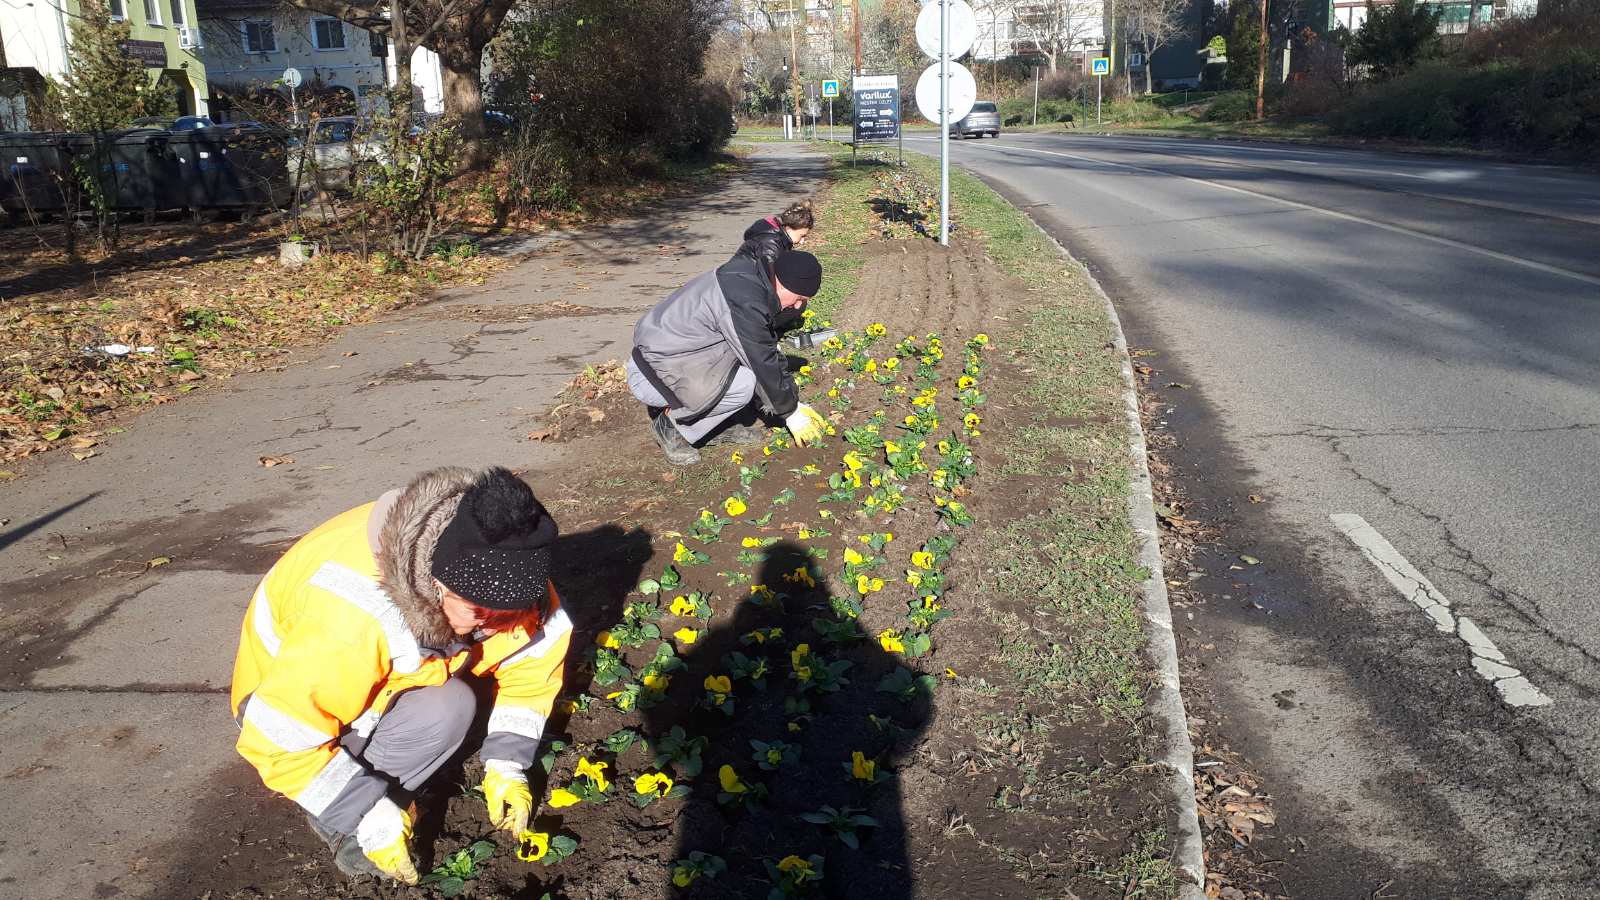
x: 351, y: 684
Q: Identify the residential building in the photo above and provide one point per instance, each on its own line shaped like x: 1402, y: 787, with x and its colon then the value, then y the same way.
x: 1455, y: 13
x: 1009, y: 28
x: 249, y: 44
x: 36, y: 40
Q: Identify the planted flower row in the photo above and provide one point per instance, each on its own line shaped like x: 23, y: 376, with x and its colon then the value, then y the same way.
x: 913, y: 449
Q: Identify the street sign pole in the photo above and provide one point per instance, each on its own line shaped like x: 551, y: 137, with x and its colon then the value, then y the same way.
x: 944, y: 122
x: 1097, y: 83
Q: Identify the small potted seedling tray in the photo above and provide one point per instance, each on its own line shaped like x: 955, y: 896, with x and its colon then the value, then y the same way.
x: 805, y: 340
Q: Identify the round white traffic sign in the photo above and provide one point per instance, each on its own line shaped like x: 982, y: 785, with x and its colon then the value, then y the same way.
x: 963, y: 29
x: 963, y: 93
x: 292, y: 77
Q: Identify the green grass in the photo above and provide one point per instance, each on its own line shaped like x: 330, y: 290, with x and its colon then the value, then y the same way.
x: 843, y: 217
x: 1076, y: 562
x: 1146, y: 871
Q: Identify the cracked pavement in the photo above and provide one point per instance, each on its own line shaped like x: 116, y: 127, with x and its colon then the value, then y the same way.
x: 1407, y: 339
x: 113, y: 709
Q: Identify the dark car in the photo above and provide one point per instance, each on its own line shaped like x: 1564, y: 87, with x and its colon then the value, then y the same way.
x: 983, y: 119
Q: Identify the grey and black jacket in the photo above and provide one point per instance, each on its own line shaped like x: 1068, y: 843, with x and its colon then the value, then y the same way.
x: 689, y: 345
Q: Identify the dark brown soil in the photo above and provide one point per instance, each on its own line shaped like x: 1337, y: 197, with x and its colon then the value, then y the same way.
x: 981, y: 799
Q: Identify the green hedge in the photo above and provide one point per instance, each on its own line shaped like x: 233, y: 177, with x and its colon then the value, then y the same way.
x: 1549, y: 106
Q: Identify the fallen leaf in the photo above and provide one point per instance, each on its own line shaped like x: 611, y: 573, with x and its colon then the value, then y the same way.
x: 158, y: 561
x: 543, y: 434
x: 350, y: 352
x: 270, y: 461
x: 1255, y: 498
x: 7, y: 475
x: 596, y: 416
x: 1249, y: 560
x: 81, y: 455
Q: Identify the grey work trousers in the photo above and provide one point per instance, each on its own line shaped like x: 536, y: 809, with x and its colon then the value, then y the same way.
x: 739, y: 395
x: 421, y: 729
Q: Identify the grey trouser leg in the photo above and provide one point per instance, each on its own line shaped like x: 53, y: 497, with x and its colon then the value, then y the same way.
x: 739, y: 395
x: 418, y: 733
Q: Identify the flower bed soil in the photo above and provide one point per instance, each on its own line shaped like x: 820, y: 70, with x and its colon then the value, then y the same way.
x: 992, y: 788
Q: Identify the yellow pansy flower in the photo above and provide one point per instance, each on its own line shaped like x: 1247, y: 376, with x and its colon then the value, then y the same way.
x: 852, y: 461
x: 594, y: 771
x: 656, y: 683
x: 922, y: 559
x: 686, y: 636
x: 861, y: 767
x: 892, y: 363
x: 853, y: 557
x: 876, y: 329
x: 719, y: 684
x: 729, y: 779
x: 734, y: 506
x: 890, y: 641
x: 605, y: 640
x: 561, y: 798
x: 799, y: 868
x: 652, y: 783
x: 532, y: 845
x: 682, y: 607
x: 913, y: 578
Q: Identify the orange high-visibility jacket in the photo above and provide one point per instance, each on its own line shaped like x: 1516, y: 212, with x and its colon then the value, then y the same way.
x: 325, y: 648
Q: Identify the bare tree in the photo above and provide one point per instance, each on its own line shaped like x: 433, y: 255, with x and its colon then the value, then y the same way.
x: 457, y: 30
x: 1157, y: 23
x: 1053, y: 27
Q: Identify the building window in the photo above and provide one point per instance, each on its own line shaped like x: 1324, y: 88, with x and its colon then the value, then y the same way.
x: 178, y: 18
x: 379, y: 44
x: 152, y: 12
x: 258, y: 38
x: 327, y: 34
x: 119, y: 10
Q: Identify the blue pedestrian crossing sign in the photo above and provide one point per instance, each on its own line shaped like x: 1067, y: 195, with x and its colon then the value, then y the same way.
x: 1100, y: 66
x: 830, y: 88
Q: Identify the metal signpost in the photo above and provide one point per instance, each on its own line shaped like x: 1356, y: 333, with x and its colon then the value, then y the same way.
x: 946, y: 29
x: 293, y: 78
x: 830, y: 90
x: 1100, y: 68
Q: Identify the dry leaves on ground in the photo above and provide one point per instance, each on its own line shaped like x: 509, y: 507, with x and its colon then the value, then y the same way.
x: 136, y: 337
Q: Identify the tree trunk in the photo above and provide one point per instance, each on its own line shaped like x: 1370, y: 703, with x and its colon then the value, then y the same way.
x: 1149, y: 77
x: 1261, y: 68
x: 463, y: 101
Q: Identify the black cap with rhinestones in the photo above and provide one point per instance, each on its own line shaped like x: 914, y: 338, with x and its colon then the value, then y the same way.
x: 496, y: 551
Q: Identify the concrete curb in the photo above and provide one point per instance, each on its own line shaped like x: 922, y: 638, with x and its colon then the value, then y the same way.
x: 1167, y: 699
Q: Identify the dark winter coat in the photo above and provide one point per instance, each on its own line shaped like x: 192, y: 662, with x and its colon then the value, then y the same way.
x: 764, y: 242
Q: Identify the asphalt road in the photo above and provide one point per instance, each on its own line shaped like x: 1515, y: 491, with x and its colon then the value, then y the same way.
x: 1397, y: 353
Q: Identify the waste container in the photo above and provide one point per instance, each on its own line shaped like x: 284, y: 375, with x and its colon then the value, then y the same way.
x: 230, y: 168
x: 34, y: 170
x: 138, y: 171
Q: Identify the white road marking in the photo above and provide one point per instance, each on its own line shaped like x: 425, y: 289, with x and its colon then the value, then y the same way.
x: 1371, y: 223
x: 1487, y: 659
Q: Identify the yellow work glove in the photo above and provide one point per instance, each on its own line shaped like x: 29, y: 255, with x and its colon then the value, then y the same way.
x: 385, y: 837
x: 505, y: 791
x: 806, y: 424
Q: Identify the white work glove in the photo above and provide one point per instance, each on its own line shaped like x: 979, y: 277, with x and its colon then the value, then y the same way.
x: 384, y: 835
x: 806, y: 424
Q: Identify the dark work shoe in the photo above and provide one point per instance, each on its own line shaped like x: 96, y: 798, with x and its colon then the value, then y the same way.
x: 347, y: 855
x: 678, y: 450
x: 349, y: 859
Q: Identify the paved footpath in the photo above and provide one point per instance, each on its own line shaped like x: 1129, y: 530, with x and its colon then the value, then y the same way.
x: 113, y: 683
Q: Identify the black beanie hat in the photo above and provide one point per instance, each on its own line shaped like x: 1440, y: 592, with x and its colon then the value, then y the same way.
x: 800, y: 272
x: 496, y: 551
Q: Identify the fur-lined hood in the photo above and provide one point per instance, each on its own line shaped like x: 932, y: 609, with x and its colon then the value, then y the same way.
x: 406, y: 541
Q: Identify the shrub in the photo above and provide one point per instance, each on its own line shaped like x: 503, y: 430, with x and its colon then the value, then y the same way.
x: 1233, y: 106
x: 1541, y: 105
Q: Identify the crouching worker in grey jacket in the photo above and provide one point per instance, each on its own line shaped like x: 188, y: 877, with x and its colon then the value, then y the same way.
x: 704, y: 353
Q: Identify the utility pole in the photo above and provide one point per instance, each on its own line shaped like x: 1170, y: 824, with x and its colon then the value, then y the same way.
x: 1261, y: 67
x: 855, y: 34
x: 794, y: 75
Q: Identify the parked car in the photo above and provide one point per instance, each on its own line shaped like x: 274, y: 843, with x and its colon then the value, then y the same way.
x: 983, y: 119
x: 337, y: 148
x: 181, y: 123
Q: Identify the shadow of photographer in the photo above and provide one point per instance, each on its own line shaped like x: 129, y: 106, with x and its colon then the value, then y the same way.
x: 795, y: 741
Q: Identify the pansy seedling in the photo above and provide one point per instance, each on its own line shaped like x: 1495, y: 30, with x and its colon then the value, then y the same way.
x: 719, y: 694
x: 680, y: 751
x: 842, y: 823
x: 697, y: 865
x: 865, y: 769
x: 795, y: 877
x: 774, y: 754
